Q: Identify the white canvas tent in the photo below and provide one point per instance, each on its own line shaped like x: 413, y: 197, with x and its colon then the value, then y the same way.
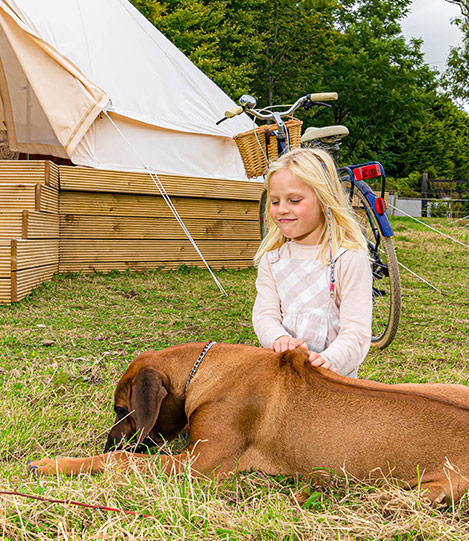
x: 64, y: 62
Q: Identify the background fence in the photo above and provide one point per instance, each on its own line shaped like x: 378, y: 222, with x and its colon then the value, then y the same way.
x: 445, y: 198
x: 440, y: 198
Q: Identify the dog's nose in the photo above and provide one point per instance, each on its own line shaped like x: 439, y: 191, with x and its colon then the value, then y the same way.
x: 112, y: 445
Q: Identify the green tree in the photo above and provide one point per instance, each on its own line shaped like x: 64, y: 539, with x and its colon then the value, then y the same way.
x: 456, y: 77
x: 382, y: 81
x: 218, y: 36
x: 354, y: 47
x: 437, y: 144
x: 298, y: 38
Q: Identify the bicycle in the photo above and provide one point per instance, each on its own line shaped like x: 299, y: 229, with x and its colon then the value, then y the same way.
x: 271, y: 141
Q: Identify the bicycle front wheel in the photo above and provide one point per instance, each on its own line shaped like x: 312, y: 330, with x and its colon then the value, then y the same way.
x: 386, y: 279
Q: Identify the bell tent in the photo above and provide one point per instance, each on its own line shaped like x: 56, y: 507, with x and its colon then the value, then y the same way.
x: 98, y: 84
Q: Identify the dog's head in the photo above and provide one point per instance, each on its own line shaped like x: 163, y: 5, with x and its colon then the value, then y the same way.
x: 146, y: 411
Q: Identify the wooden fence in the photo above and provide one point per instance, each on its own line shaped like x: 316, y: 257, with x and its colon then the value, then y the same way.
x: 445, y: 197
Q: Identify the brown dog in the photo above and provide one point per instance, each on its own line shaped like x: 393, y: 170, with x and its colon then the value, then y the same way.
x: 249, y: 408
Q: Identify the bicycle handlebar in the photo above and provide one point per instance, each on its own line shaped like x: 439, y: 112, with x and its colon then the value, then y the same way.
x: 266, y: 114
x: 233, y: 112
x: 323, y: 96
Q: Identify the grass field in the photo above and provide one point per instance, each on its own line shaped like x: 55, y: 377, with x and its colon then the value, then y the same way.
x: 64, y: 348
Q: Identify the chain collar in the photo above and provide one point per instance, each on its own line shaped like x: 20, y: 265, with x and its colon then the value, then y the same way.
x: 197, y: 363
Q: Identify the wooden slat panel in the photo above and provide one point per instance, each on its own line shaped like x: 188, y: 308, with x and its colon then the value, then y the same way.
x: 93, y: 180
x: 11, y: 224
x: 17, y: 196
x: 47, y: 199
x: 5, y: 259
x: 34, y: 253
x: 131, y: 251
x: 5, y: 290
x: 27, y: 280
x: 150, y: 265
x: 40, y: 225
x: 101, y: 204
x: 52, y: 175
x: 18, y: 171
x: 29, y: 172
x: 105, y: 227
x: 28, y: 224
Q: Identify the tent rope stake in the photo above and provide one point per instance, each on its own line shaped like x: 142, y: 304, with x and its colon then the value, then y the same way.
x: 154, y: 176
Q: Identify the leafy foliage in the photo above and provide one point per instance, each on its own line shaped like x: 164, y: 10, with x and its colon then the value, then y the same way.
x: 436, y: 143
x: 457, y: 74
x: 380, y: 78
x: 218, y: 36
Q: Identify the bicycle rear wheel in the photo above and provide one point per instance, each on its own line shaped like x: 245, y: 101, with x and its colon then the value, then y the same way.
x: 386, y: 279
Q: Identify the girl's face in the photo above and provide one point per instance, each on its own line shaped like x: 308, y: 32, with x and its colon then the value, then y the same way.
x: 295, y: 208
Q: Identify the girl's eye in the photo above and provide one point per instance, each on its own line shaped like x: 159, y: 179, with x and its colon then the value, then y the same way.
x: 274, y: 202
x: 295, y: 200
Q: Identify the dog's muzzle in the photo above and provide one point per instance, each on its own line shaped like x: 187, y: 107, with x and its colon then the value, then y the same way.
x: 113, y: 444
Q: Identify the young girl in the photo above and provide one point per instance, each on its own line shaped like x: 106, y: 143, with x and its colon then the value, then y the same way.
x: 314, y: 284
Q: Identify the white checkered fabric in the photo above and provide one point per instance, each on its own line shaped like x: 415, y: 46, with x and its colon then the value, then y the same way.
x: 308, y: 310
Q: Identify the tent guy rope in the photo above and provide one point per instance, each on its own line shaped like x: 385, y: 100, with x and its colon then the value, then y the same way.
x: 167, y: 199
x: 419, y: 277
x: 430, y: 227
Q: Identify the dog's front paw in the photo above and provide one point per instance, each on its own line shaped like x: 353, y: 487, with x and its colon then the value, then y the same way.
x: 47, y: 466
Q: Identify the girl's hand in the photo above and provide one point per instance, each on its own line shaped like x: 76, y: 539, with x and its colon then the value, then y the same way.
x: 316, y: 360
x: 284, y: 343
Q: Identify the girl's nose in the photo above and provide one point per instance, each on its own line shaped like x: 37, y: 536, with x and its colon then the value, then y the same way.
x: 282, y: 207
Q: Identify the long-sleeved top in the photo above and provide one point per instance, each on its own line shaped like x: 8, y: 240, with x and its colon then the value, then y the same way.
x: 293, y: 299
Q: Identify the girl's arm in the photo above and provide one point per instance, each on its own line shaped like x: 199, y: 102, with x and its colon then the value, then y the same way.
x: 266, y: 314
x: 354, y: 295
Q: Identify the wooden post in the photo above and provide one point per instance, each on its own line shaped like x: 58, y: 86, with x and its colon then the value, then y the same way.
x: 424, y: 193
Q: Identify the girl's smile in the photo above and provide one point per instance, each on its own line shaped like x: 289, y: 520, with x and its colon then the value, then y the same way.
x: 294, y: 208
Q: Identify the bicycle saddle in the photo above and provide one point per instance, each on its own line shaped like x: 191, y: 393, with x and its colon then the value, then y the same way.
x: 325, y: 134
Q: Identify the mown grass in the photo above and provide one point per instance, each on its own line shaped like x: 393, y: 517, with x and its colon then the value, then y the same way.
x: 64, y: 348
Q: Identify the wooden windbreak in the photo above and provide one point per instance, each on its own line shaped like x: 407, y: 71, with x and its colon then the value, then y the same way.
x: 29, y: 226
x: 113, y: 220
x: 79, y: 219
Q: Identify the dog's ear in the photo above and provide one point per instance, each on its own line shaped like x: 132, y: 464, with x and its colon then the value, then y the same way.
x: 296, y: 358
x: 147, y: 393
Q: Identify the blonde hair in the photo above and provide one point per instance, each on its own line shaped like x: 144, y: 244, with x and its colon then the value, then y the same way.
x: 316, y: 168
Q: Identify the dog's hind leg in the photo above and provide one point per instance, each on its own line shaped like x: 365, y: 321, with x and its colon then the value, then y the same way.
x: 445, y: 491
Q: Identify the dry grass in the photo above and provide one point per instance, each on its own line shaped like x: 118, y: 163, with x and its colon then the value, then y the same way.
x: 56, y: 400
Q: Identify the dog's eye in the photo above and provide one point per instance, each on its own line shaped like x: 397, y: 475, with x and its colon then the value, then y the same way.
x: 120, y: 412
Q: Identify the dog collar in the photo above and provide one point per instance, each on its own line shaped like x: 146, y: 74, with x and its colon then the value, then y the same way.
x: 197, y: 363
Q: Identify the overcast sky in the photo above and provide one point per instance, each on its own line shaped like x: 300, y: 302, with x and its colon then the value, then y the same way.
x: 430, y: 21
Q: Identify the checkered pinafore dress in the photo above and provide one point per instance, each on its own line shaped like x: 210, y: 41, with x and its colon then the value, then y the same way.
x: 308, y: 309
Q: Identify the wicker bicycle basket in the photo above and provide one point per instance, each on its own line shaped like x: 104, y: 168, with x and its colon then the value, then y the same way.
x: 258, y: 147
